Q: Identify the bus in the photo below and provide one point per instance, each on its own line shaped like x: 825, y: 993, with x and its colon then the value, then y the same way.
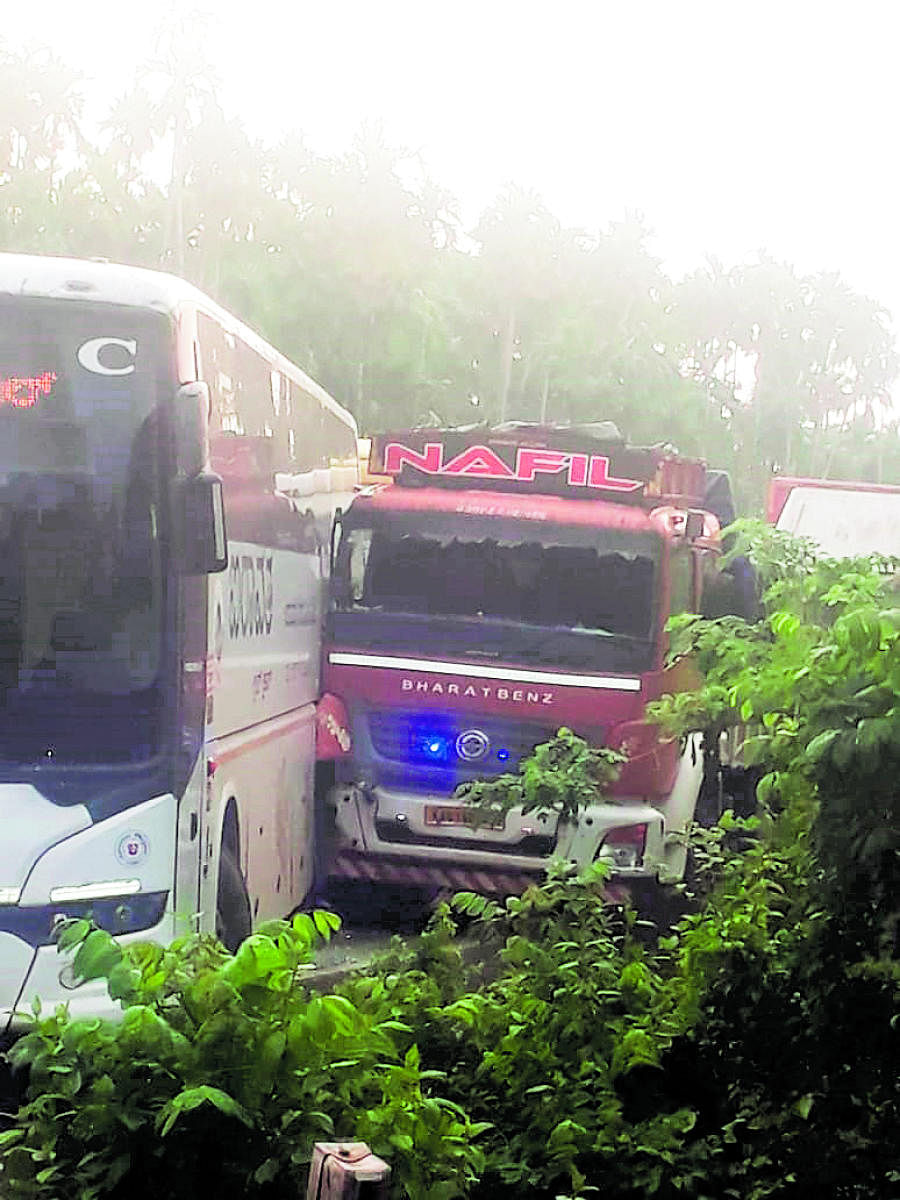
x: 167, y: 488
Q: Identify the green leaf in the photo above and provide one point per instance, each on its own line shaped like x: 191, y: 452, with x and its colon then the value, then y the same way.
x: 843, y: 749
x: 820, y: 746
x: 191, y: 1098
x: 784, y: 624
x: 267, y: 1171
x: 304, y: 926
x: 72, y: 932
x: 323, y: 923
x: 97, y: 955
x: 123, y: 981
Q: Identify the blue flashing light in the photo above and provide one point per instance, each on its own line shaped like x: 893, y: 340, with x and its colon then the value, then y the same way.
x: 432, y: 745
x: 503, y: 755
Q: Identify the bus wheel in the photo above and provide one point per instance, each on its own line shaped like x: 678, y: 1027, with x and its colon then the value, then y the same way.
x: 233, y: 920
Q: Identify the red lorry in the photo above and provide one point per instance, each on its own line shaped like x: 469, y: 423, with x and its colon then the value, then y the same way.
x: 500, y: 584
x: 844, y: 519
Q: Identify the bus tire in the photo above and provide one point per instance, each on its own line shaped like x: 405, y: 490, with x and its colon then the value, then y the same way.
x: 233, y: 920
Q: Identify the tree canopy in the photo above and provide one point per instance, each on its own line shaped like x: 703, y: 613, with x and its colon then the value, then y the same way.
x: 360, y: 268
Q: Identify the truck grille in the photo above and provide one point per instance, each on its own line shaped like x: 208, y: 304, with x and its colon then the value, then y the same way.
x: 485, y: 745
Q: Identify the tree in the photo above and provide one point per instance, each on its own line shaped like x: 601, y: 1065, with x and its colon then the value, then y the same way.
x: 43, y: 103
x: 358, y: 267
x: 793, y: 364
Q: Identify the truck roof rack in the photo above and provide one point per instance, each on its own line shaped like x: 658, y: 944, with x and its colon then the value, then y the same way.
x: 589, y: 461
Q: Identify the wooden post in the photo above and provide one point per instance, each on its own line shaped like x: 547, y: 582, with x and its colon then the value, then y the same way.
x: 346, y: 1171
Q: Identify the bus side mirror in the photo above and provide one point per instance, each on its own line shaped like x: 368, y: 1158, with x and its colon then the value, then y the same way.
x: 204, y: 546
x: 192, y: 427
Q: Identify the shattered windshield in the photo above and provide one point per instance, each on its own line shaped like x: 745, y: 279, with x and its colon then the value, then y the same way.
x: 571, y: 580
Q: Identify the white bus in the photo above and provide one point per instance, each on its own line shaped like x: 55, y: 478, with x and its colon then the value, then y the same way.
x: 157, y: 681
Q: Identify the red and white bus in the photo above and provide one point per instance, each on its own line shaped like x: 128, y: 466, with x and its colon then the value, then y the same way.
x: 167, y: 486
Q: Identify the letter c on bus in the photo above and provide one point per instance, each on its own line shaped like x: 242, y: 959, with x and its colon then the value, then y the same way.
x: 89, y: 355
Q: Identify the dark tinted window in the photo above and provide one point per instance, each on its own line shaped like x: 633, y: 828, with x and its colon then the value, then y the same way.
x: 82, y: 518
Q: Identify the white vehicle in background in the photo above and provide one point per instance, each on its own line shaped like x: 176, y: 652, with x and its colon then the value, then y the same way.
x: 845, y: 519
x: 167, y: 486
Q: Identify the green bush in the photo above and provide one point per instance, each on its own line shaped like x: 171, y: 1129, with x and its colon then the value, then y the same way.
x: 563, y: 776
x: 577, y: 1052
x: 222, y: 1073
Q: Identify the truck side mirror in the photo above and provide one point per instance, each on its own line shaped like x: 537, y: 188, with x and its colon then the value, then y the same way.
x: 336, y: 528
x: 694, y: 524
x: 204, y: 545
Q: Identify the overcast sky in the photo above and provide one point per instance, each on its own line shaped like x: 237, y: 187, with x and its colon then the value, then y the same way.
x: 731, y: 126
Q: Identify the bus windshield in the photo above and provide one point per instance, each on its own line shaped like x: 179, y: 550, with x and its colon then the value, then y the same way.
x: 576, y: 595
x: 81, y: 531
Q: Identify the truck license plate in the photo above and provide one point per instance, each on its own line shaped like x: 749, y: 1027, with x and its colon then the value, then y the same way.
x: 460, y: 815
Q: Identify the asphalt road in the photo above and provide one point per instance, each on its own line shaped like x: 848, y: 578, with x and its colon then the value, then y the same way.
x: 371, y: 917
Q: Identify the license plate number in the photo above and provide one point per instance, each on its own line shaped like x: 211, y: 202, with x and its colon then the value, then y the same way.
x: 460, y: 816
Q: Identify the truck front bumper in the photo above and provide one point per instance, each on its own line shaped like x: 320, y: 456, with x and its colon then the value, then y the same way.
x: 491, y: 862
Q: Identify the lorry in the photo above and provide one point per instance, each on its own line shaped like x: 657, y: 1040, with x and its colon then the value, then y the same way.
x: 491, y: 586
x: 845, y: 519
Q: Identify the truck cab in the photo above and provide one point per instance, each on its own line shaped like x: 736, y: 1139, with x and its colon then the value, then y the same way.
x: 504, y: 583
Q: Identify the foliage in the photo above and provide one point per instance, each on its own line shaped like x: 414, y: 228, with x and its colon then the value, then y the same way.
x: 221, y: 1074
x: 798, y: 361
x: 819, y: 681
x: 576, y: 1051
x: 819, y: 678
x: 563, y: 776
